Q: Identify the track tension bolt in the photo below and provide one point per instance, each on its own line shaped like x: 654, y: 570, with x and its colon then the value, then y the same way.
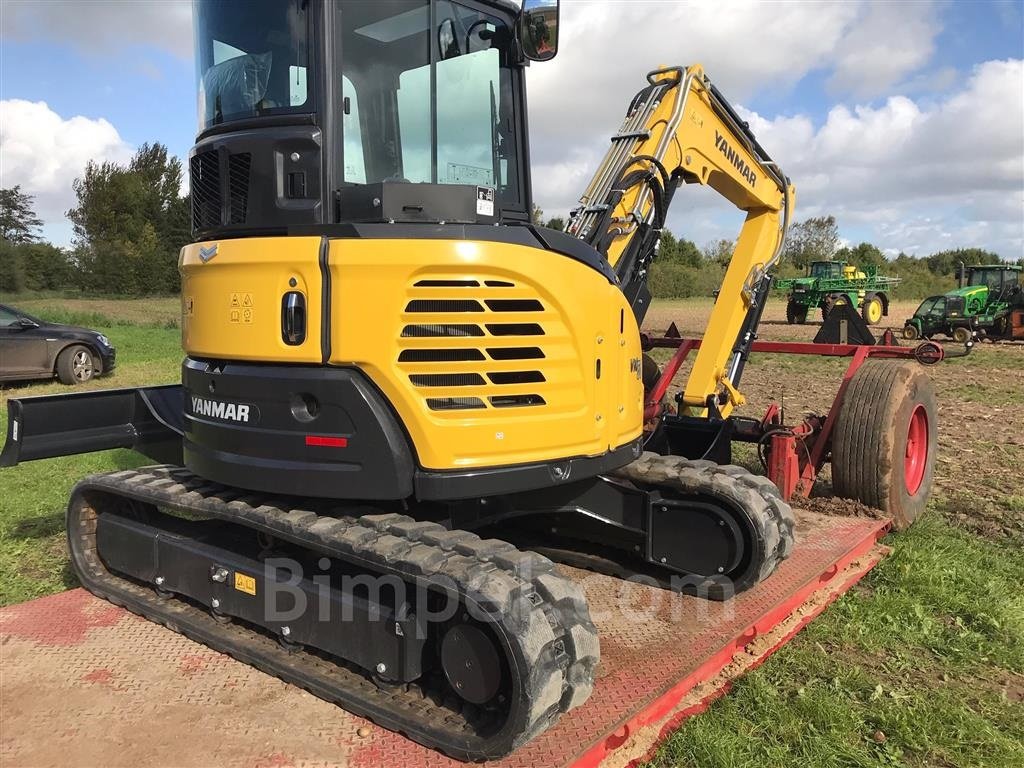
x: 219, y: 574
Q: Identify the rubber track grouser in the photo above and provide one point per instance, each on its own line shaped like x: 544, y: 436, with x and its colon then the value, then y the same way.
x: 537, y: 618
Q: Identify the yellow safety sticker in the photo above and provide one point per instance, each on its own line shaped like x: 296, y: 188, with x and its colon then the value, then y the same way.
x: 245, y: 583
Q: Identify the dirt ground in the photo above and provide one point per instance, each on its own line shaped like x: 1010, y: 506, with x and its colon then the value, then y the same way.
x: 980, y: 472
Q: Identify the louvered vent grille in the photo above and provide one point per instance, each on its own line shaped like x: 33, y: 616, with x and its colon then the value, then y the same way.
x: 208, y: 189
x: 474, y: 344
x: 204, y: 186
x: 238, y: 186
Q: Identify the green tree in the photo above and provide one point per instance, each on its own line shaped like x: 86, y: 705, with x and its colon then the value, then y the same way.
x: 946, y: 262
x: 537, y: 215
x: 556, y: 222
x: 720, y: 251
x: 130, y: 223
x: 47, y: 267
x: 814, y: 239
x: 678, y: 251
x: 18, y: 220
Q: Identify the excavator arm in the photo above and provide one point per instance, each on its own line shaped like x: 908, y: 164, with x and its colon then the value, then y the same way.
x: 680, y: 129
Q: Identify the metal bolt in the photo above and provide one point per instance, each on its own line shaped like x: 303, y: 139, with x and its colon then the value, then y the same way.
x: 559, y: 472
x: 215, y: 603
x: 382, y: 668
x: 294, y: 157
x: 598, y: 417
x: 285, y: 631
x: 664, y: 509
x: 689, y: 159
x: 721, y: 523
x: 219, y: 575
x: 376, y: 202
x: 600, y: 339
x: 721, y: 569
x: 159, y: 580
x: 663, y: 559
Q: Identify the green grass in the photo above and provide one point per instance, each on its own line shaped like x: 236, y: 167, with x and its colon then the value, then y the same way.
x: 921, y: 664
x: 928, y: 653
x: 33, y: 559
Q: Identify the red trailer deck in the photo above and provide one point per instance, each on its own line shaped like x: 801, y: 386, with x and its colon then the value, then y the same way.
x: 86, y: 683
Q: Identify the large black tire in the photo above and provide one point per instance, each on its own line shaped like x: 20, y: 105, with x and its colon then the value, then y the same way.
x: 873, y: 309
x: 962, y: 335
x: 76, y: 365
x: 831, y: 302
x: 888, y: 408
x: 796, y: 313
x: 650, y: 372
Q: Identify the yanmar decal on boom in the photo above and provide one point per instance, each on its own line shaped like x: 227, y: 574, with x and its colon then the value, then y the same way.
x: 734, y: 157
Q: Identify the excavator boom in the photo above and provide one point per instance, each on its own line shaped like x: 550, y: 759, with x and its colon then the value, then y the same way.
x: 679, y: 129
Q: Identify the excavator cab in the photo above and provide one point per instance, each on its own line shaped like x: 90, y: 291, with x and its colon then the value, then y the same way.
x: 318, y: 109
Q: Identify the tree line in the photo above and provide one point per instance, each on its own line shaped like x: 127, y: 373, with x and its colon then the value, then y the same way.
x: 130, y: 221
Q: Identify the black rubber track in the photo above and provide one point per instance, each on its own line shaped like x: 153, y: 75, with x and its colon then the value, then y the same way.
x: 753, y: 499
x: 540, y: 617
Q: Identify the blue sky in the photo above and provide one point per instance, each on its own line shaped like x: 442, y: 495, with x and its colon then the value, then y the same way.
x: 902, y: 119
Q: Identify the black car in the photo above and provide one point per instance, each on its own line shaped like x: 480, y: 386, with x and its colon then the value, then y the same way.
x: 31, y: 348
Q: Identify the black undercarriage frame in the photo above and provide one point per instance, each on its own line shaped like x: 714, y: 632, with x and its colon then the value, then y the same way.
x: 685, y: 542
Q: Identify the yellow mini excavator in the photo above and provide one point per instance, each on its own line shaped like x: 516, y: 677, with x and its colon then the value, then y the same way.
x: 398, y: 390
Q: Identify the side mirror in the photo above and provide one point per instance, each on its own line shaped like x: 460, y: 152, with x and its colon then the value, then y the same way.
x: 447, y: 40
x: 538, y: 29
x: 24, y: 322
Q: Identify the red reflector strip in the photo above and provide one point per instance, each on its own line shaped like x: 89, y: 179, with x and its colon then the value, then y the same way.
x: 327, y: 442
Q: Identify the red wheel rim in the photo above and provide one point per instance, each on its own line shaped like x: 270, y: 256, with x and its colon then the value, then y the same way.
x: 917, y: 450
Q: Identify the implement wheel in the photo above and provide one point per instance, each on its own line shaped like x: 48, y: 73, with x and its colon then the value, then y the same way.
x: 872, y: 309
x: 885, y: 440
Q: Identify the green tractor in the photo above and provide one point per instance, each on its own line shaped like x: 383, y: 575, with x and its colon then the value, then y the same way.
x: 984, y: 302
x: 828, y: 284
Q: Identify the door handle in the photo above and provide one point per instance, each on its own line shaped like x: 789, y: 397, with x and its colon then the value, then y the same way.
x: 293, y: 318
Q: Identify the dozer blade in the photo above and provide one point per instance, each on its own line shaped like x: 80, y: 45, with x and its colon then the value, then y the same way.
x: 474, y: 682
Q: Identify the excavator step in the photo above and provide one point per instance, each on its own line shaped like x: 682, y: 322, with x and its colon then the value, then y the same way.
x: 84, y: 677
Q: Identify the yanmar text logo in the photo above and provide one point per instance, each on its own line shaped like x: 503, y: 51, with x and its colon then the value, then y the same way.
x: 734, y: 157
x: 218, y: 410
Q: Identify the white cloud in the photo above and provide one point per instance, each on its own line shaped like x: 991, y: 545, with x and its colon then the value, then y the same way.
x: 890, y: 41
x: 102, y: 26
x: 44, y: 152
x: 916, y: 176
x: 748, y: 48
